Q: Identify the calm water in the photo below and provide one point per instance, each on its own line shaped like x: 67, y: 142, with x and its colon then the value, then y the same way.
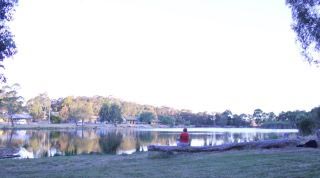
x: 45, y: 143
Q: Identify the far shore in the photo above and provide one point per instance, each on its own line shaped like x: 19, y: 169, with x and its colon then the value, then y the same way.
x: 62, y: 126
x: 72, y: 126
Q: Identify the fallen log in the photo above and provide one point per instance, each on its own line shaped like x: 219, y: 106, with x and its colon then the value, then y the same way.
x: 262, y: 144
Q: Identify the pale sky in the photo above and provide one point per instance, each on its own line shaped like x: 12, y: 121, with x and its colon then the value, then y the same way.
x: 202, y: 55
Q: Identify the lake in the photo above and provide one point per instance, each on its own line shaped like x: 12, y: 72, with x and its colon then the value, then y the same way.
x: 48, y: 143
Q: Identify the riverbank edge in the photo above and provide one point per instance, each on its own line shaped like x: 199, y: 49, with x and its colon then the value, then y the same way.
x: 72, y: 126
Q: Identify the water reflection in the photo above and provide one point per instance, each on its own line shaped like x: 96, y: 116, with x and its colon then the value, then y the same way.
x: 45, y: 143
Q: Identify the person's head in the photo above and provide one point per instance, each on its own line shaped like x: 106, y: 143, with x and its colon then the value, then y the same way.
x: 185, y: 130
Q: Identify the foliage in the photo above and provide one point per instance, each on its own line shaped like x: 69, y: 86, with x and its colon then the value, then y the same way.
x: 166, y: 120
x: 116, y: 108
x: 39, y: 106
x: 306, y: 127
x: 79, y: 111
x: 258, y: 116
x: 147, y: 117
x: 7, y: 44
x: 224, y: 118
x: 55, y: 119
x: 293, y: 117
x: 65, y: 106
x: 306, y: 17
x: 110, y: 113
x: 10, y: 102
x: 315, y: 115
x: 277, y: 125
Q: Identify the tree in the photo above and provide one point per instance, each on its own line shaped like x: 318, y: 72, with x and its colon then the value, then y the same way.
x: 64, y: 112
x: 166, y: 120
x: 307, y: 126
x: 258, y: 116
x: 306, y: 17
x: 10, y: 102
x: 224, y: 118
x: 147, y: 117
x: 292, y: 117
x: 39, y: 106
x: 315, y: 115
x: 110, y: 113
x: 79, y: 111
x: 7, y: 44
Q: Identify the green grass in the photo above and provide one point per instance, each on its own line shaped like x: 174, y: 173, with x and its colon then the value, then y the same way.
x: 291, y: 163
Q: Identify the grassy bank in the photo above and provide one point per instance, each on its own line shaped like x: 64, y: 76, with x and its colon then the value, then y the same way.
x: 254, y: 163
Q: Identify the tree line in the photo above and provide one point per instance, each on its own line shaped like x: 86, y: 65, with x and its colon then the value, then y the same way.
x: 113, y: 110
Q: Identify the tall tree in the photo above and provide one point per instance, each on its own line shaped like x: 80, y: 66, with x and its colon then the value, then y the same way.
x: 258, y: 116
x: 64, y: 112
x: 79, y: 111
x: 10, y: 101
x: 7, y: 44
x: 39, y: 106
x: 306, y: 17
x: 110, y: 113
x: 147, y: 117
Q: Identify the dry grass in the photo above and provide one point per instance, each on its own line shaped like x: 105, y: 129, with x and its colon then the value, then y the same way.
x: 254, y: 163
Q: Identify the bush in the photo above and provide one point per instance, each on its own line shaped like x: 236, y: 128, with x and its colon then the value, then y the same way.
x: 147, y: 117
x: 166, y: 120
x: 277, y: 125
x: 55, y: 119
x: 307, y: 127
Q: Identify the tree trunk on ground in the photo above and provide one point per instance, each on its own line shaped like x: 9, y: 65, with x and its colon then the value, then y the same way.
x: 262, y: 144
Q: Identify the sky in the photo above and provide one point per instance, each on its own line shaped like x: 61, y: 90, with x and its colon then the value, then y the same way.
x: 201, y: 55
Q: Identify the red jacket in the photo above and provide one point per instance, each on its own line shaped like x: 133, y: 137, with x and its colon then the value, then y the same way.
x: 184, y: 137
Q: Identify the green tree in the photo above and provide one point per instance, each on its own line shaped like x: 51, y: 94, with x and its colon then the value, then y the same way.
x: 257, y: 115
x: 79, y: 111
x: 39, y: 106
x: 10, y: 102
x: 167, y: 120
x: 223, y: 119
x: 110, y: 113
x: 147, y: 117
x: 64, y: 112
x: 7, y: 44
x: 307, y: 127
x: 315, y: 115
x: 306, y: 24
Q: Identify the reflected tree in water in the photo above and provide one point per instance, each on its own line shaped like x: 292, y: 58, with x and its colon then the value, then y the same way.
x: 110, y: 142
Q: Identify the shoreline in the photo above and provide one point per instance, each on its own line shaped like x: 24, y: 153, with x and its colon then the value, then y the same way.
x: 70, y: 126
x: 67, y: 126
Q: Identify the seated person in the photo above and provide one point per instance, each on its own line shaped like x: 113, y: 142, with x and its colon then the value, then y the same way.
x: 184, y: 138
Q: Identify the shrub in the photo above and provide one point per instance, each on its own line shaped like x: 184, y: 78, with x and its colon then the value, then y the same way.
x: 307, y: 127
x: 55, y: 119
x: 166, y: 120
x: 147, y: 117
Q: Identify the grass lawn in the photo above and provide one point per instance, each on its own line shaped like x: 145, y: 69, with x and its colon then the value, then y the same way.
x: 292, y: 162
